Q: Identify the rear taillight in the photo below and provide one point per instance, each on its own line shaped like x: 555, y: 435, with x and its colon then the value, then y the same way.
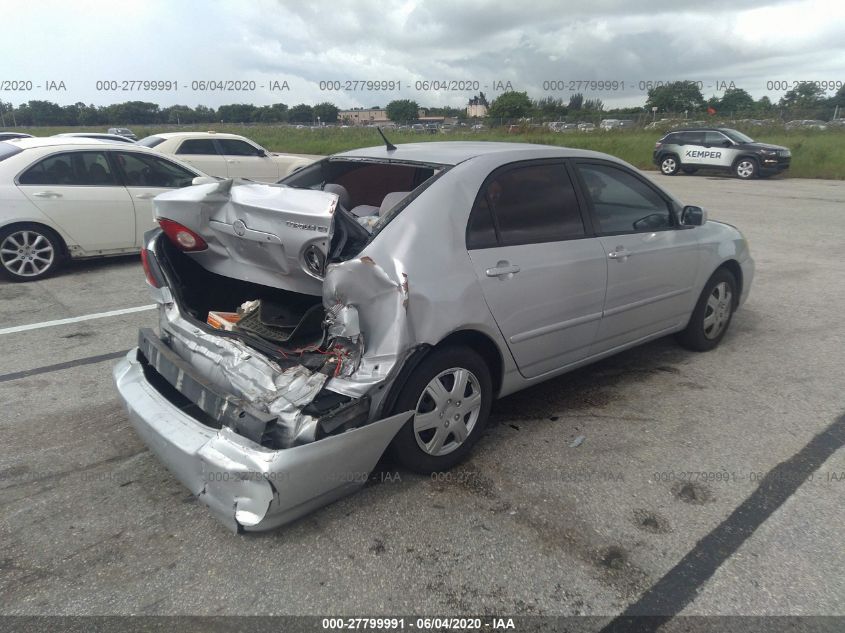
x: 145, y: 261
x: 182, y: 237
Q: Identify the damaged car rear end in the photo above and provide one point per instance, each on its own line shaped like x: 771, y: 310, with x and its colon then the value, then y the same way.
x: 256, y: 391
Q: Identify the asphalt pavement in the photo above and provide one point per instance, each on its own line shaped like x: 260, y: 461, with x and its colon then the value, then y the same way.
x: 705, y: 484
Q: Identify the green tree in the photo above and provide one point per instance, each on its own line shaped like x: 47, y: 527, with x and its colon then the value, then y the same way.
x: 576, y: 101
x: 326, y: 112
x: 510, y: 105
x: 237, y: 113
x: 402, y: 111
x: 803, y: 96
x: 550, y: 108
x: 301, y: 113
x: 735, y: 100
x: 594, y: 105
x: 676, y: 96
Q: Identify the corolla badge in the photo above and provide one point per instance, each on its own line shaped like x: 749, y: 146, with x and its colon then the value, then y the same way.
x: 239, y: 227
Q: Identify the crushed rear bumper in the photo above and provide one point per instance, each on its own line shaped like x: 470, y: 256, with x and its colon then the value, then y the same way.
x: 246, y: 486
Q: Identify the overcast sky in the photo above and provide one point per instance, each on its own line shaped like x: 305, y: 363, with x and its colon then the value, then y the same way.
x: 524, y: 43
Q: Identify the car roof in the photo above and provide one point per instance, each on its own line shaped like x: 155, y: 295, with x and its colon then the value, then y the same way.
x: 454, y: 152
x: 701, y: 129
x: 169, y: 135
x: 70, y: 141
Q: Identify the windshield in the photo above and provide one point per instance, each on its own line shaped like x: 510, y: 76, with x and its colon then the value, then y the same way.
x: 737, y: 137
x: 150, y: 141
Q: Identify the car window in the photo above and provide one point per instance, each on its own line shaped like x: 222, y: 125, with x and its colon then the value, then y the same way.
x: 90, y: 169
x: 7, y: 150
x: 151, y: 171
x: 622, y: 203
x: 714, y: 138
x: 692, y: 138
x: 151, y: 141
x: 234, y: 147
x: 530, y: 204
x: 197, y: 146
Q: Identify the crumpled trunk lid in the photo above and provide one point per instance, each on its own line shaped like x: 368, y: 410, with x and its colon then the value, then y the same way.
x: 273, y: 235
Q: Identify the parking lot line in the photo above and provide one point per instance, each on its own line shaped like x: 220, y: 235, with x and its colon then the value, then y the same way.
x: 87, y: 317
x: 90, y: 360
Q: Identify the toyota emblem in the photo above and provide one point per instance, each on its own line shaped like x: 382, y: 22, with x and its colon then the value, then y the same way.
x: 239, y: 228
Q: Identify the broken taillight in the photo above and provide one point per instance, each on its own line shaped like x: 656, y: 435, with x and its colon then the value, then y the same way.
x: 182, y: 237
x: 145, y: 261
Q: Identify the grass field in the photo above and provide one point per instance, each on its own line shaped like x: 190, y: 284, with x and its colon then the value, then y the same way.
x: 815, y: 154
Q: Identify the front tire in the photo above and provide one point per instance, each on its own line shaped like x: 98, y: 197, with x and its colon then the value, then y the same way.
x: 713, y: 313
x: 746, y: 169
x: 669, y: 165
x: 451, y: 393
x: 29, y: 252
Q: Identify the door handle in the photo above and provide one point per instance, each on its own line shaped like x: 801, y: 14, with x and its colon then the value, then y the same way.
x: 46, y: 194
x: 621, y: 253
x: 502, y: 270
x: 145, y: 196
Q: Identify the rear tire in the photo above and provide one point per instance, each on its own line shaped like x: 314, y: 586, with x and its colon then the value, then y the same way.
x: 451, y: 393
x: 712, y: 314
x: 669, y: 165
x: 29, y: 252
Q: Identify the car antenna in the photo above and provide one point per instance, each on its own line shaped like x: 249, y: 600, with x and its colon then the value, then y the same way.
x: 390, y: 146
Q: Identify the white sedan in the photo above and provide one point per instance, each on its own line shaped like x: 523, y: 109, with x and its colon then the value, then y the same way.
x: 227, y: 155
x: 66, y: 198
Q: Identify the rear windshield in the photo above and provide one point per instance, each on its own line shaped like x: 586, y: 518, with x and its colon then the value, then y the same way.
x: 7, y: 149
x: 151, y: 141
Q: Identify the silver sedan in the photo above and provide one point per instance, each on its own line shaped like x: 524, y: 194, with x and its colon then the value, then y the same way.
x: 381, y: 299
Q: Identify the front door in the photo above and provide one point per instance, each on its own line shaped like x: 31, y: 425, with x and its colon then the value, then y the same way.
x: 651, y: 261
x: 542, y: 273
x: 247, y: 161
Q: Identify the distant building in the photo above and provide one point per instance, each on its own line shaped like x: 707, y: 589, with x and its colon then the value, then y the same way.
x: 477, y: 106
x: 363, y: 116
x: 369, y: 116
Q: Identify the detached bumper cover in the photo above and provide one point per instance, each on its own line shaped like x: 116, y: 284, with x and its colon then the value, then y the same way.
x: 246, y: 486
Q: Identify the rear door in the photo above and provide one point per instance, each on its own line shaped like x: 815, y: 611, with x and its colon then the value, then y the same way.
x: 80, y: 192
x: 651, y: 261
x: 542, y: 271
x: 244, y: 160
x: 145, y: 177
x: 202, y: 153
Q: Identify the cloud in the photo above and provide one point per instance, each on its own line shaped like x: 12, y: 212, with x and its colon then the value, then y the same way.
x: 413, y: 40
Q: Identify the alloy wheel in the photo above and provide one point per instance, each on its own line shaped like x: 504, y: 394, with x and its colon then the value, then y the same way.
x: 27, y: 253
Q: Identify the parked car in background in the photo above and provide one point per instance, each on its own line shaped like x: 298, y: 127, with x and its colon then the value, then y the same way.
x: 486, y: 268
x: 226, y: 155
x: 100, y: 136
x: 5, y: 136
x: 718, y: 148
x: 586, y: 127
x: 608, y: 124
x: 123, y: 131
x: 66, y: 198
x: 806, y: 124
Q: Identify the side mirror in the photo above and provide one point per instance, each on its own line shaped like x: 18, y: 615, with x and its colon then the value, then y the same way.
x: 726, y: 143
x: 261, y: 153
x: 204, y: 180
x: 693, y: 216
